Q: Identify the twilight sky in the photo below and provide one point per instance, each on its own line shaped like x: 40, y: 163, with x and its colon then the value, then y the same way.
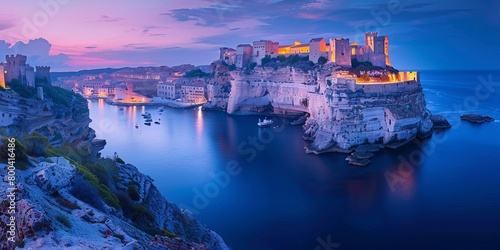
x: 74, y: 35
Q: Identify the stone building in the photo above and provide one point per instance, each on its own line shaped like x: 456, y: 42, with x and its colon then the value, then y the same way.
x: 262, y: 48
x: 43, y: 72
x: 228, y: 55
x: 338, y: 50
x: 375, y: 50
x: 244, y: 54
x: 16, y: 68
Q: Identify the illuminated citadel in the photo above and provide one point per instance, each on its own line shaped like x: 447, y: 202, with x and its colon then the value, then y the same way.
x: 338, y: 50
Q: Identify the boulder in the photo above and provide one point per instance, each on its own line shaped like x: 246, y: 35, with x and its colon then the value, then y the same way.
x: 440, y: 122
x: 362, y: 155
x: 54, y: 176
x: 475, y: 118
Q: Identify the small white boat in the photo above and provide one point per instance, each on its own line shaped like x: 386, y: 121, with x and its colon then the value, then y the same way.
x: 265, y: 123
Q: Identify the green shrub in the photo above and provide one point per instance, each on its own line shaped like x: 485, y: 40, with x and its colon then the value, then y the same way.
x: 119, y: 160
x: 22, y: 89
x: 84, y: 191
x: 167, y: 233
x: 21, y: 158
x: 355, y: 63
x: 64, y: 220
x: 252, y: 66
x: 322, y: 60
x: 107, y: 196
x: 36, y: 144
x: 20, y: 243
x: 133, y: 193
x: 196, y: 73
x: 68, y: 151
x: 265, y: 60
x: 140, y: 210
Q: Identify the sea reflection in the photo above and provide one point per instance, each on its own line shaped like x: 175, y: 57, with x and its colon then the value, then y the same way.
x: 199, y: 123
x: 401, y: 179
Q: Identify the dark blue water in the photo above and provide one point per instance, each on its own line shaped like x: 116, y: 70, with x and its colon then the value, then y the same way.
x: 442, y: 193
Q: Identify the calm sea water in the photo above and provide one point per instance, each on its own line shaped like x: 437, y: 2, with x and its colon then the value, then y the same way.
x: 443, y: 193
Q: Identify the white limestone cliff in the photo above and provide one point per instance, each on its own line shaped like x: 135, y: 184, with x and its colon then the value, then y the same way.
x: 342, y: 114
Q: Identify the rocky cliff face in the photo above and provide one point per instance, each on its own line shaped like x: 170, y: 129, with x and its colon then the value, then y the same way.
x: 60, y: 123
x: 48, y: 216
x: 343, y: 114
x: 346, y: 115
x: 218, y: 88
x: 277, y: 91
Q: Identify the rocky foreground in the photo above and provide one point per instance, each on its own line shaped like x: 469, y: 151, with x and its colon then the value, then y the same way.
x: 87, y: 202
x: 49, y: 216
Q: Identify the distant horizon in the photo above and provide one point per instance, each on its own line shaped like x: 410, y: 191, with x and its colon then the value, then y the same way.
x: 117, y: 68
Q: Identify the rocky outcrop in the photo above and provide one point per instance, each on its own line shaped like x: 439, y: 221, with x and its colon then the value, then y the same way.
x: 475, y: 118
x: 59, y: 123
x: 218, y: 88
x: 166, y: 214
x: 50, y: 217
x: 342, y: 113
x: 440, y: 122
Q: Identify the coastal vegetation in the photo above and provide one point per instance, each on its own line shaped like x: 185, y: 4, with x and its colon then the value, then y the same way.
x: 63, y: 220
x: 196, y: 73
x: 296, y: 61
x: 95, y: 183
x: 22, y: 161
x: 23, y: 90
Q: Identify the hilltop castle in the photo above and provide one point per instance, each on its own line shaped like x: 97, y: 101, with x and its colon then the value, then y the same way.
x: 338, y: 50
x: 17, y: 68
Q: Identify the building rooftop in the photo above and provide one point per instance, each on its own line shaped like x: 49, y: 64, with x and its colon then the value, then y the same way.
x: 300, y: 45
x: 316, y: 39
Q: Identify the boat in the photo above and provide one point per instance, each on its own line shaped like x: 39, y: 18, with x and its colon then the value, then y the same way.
x: 146, y: 115
x: 157, y: 122
x: 136, y: 126
x: 147, y: 123
x: 148, y: 120
x: 265, y: 123
x: 160, y: 109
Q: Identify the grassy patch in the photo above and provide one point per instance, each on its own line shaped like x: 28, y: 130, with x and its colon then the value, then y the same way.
x: 64, y: 220
x: 165, y: 232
